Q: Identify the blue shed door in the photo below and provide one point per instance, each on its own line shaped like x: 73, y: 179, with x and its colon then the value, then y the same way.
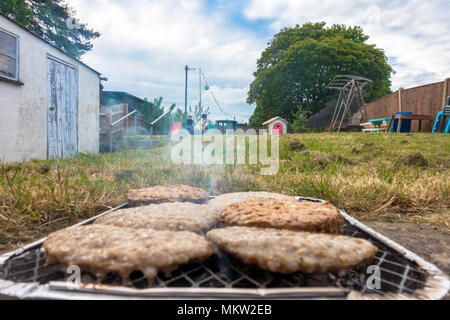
x: 62, y: 110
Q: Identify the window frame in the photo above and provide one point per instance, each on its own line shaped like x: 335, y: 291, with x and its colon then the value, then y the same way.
x: 16, y: 78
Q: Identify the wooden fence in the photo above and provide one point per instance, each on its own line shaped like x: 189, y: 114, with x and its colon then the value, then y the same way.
x: 110, y: 114
x: 427, y: 100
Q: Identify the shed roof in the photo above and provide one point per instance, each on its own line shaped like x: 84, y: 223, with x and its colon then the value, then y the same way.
x: 114, y: 94
x: 274, y: 119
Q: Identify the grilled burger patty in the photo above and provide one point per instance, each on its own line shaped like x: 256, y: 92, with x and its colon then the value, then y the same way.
x: 289, y: 214
x: 176, y: 216
x: 102, y: 249
x: 169, y: 193
x: 284, y: 251
x: 224, y: 200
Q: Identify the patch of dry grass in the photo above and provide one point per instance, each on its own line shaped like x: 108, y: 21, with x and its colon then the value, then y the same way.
x: 372, y: 176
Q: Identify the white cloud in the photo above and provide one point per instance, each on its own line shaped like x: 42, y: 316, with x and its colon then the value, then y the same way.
x: 413, y: 33
x: 231, y: 100
x: 228, y: 95
x: 145, y: 45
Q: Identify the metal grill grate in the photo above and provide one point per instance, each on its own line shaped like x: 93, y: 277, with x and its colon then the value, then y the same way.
x: 398, y: 275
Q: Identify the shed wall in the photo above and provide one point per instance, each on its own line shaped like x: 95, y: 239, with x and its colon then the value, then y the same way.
x: 23, y: 109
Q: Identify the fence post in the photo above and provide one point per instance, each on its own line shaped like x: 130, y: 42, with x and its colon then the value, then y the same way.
x: 125, y: 125
x: 170, y: 124
x: 135, y: 123
x: 400, y: 99
x: 151, y: 136
x: 111, y: 132
x: 444, y: 95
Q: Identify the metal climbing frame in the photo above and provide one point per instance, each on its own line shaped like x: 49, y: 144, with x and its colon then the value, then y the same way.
x: 350, y: 88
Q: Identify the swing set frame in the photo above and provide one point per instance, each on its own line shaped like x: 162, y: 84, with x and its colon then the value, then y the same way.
x: 350, y: 88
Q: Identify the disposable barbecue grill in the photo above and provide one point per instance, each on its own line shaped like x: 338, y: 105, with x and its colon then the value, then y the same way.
x: 403, y: 275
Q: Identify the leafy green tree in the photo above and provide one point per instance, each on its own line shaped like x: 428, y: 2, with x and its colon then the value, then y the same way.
x: 199, y: 111
x: 152, y: 111
x: 178, y: 116
x: 54, y: 21
x: 299, y: 62
x: 300, y: 120
x: 19, y: 10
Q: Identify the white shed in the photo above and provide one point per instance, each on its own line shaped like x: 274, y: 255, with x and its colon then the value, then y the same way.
x: 49, y: 101
x: 276, y: 126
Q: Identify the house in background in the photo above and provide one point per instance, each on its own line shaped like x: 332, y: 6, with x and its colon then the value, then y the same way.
x: 49, y: 101
x: 117, y: 104
x: 110, y: 98
x: 276, y: 126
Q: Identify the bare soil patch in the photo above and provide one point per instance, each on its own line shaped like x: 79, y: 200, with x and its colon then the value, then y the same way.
x: 429, y: 243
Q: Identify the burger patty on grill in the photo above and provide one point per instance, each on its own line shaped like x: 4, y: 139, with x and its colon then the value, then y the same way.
x: 289, y: 214
x: 169, y: 193
x: 176, y: 216
x: 102, y: 249
x: 284, y: 251
x: 224, y: 200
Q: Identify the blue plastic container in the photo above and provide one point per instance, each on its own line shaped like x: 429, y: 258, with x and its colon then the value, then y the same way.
x: 406, y: 124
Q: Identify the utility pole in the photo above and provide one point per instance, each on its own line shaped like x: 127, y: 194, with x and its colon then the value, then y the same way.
x: 187, y: 69
x: 200, y: 87
x: 185, y: 97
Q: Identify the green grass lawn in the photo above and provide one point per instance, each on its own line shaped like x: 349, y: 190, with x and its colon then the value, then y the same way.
x: 373, y: 176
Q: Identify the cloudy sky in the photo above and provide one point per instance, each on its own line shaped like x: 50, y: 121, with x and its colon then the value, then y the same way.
x: 145, y: 44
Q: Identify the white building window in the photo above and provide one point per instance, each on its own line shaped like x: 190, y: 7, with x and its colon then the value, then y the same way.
x: 9, y: 56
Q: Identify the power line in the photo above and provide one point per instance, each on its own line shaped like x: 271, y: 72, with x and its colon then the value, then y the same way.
x: 215, y: 100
